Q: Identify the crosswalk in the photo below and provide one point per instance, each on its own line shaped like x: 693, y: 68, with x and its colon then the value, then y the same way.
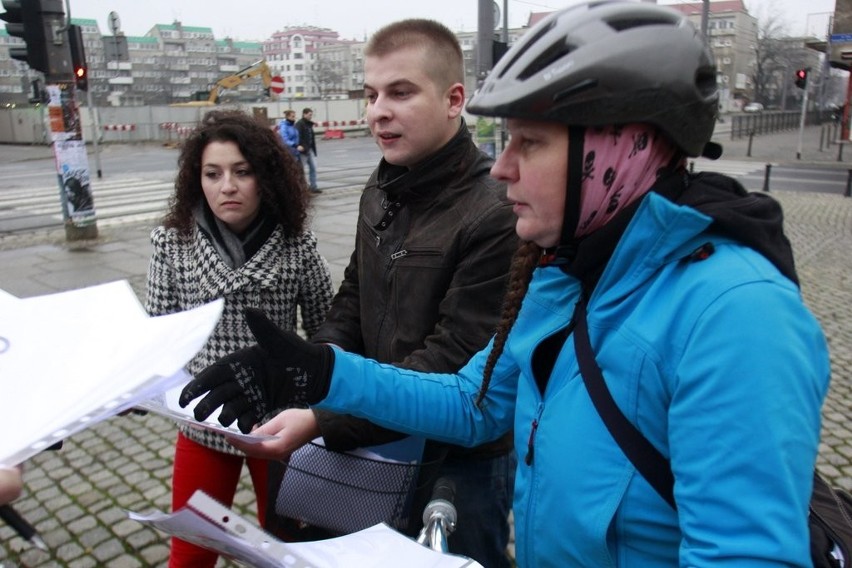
x: 33, y: 203
x: 117, y: 201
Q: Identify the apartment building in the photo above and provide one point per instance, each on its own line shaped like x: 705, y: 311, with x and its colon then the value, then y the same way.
x: 175, y: 63
x: 732, y: 34
x: 170, y: 63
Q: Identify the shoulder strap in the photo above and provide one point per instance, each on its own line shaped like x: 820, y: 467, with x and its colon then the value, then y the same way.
x: 653, y: 466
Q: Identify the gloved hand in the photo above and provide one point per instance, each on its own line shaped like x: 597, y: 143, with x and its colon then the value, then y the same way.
x: 281, y: 370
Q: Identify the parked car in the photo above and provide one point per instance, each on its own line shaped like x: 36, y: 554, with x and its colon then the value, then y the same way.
x: 753, y: 107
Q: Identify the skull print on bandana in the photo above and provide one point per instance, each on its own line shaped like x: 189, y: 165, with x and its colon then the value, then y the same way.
x: 630, y: 157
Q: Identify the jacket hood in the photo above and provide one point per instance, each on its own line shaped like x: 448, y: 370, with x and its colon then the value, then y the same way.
x: 753, y: 219
x: 711, y: 202
x: 443, y: 168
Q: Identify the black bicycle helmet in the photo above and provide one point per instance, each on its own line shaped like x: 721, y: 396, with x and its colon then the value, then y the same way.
x: 609, y: 62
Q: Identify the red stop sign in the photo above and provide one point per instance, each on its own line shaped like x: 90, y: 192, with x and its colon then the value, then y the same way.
x: 276, y: 85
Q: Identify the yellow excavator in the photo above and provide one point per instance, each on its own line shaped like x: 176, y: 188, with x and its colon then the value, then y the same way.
x: 205, y: 98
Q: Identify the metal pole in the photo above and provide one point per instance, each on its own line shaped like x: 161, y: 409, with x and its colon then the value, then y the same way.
x: 96, y: 132
x: 72, y: 164
x: 826, y: 64
x: 848, y: 191
x: 802, y: 118
x: 766, y: 178
x: 484, y: 39
x: 844, y: 124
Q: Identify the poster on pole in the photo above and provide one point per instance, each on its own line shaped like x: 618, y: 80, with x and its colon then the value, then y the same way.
x: 63, y: 114
x: 72, y: 165
x: 69, y: 151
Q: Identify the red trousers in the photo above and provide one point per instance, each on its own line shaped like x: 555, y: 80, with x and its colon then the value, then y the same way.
x: 217, y: 474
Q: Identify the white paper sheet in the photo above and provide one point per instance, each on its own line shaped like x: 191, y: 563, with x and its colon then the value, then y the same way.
x: 207, y: 523
x: 71, y: 359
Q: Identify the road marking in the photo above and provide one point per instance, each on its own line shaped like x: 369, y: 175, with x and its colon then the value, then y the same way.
x: 117, y: 201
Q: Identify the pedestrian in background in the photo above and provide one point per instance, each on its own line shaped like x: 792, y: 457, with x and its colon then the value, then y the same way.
x: 289, y: 133
x: 236, y: 229
x: 308, y: 147
x: 435, y: 237
x: 680, y: 288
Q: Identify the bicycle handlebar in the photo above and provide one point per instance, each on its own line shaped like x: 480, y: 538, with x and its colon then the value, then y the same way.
x: 439, y: 516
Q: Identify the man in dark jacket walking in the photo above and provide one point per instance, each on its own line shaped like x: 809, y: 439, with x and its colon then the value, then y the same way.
x: 308, y: 147
x: 423, y: 287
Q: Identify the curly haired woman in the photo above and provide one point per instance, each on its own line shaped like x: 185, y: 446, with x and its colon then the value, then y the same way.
x: 236, y: 229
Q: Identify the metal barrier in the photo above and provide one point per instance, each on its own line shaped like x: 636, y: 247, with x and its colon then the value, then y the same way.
x: 125, y: 129
x: 751, y: 123
x: 179, y: 131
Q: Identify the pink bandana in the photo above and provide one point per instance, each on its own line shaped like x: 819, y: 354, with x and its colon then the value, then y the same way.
x: 621, y: 164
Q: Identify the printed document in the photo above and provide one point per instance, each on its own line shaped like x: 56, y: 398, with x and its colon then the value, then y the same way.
x: 207, y: 523
x: 72, y: 359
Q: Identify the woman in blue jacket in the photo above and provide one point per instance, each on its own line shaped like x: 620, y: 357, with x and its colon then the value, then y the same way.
x: 694, y: 317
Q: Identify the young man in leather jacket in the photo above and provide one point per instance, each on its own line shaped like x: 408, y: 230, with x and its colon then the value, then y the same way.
x: 423, y: 288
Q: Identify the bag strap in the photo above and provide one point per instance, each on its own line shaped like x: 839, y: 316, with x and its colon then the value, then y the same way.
x: 653, y: 466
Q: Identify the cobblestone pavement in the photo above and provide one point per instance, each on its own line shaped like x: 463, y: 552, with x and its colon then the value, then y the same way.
x: 77, y: 497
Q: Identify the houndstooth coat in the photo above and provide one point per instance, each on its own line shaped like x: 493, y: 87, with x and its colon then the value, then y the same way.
x: 285, y: 273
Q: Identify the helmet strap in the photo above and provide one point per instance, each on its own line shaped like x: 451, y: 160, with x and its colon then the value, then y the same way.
x: 571, y: 215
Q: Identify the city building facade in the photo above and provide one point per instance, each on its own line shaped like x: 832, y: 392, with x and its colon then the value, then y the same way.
x: 176, y: 63
x: 732, y: 33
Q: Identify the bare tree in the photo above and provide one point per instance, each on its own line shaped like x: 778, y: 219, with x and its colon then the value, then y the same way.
x: 775, y: 57
x: 326, y: 76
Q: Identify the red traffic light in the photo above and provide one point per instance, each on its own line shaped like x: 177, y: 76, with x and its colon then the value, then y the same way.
x: 801, y: 78
x: 78, y: 57
x: 81, y: 78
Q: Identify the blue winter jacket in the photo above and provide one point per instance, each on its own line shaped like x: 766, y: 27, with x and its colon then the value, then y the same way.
x: 289, y: 136
x: 717, y: 362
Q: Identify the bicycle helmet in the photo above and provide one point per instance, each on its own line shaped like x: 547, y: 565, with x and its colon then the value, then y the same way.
x: 605, y: 63
x: 609, y: 62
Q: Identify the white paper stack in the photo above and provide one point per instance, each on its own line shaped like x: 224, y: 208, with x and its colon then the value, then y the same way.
x: 209, y: 524
x: 70, y: 360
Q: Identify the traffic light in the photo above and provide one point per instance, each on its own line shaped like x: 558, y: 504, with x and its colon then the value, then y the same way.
x: 801, y: 78
x: 78, y: 57
x: 38, y: 22
x: 20, y: 23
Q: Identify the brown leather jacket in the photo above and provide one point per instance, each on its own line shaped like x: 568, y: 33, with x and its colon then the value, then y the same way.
x: 424, y: 290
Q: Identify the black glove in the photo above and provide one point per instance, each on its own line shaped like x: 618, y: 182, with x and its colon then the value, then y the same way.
x: 281, y: 370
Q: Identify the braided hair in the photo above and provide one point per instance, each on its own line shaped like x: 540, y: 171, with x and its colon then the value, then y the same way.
x: 524, y: 261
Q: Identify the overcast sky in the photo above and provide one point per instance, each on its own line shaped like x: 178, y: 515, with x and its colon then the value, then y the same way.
x: 258, y: 19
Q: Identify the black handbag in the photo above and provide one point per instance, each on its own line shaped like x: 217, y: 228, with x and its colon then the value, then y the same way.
x: 830, y: 509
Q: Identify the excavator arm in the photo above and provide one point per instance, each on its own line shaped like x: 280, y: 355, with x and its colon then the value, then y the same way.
x: 232, y: 81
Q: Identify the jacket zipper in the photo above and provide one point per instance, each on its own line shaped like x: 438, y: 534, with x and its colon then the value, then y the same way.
x: 414, y: 252
x: 528, y: 459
